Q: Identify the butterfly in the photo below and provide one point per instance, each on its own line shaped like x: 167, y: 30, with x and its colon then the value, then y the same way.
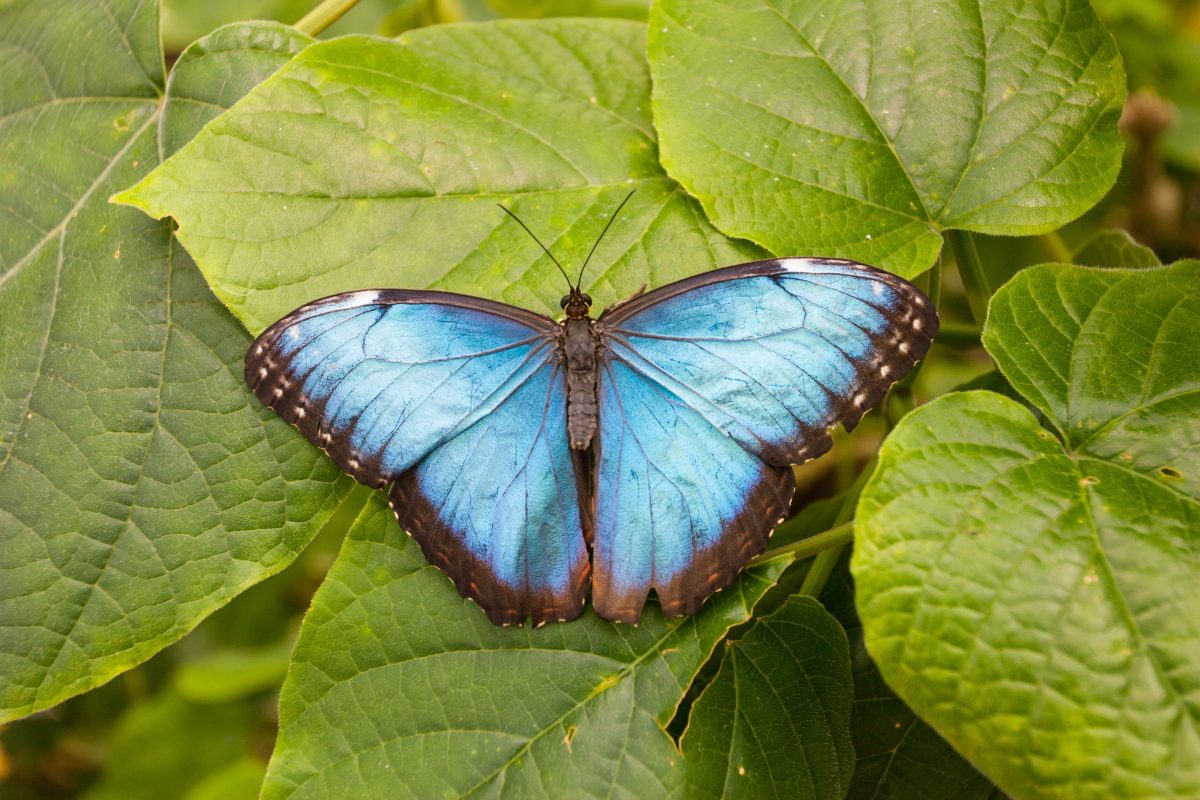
x: 648, y: 448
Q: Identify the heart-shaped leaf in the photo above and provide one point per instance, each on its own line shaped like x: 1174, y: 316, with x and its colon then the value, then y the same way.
x: 862, y: 130
x: 897, y: 755
x: 775, y: 722
x: 1033, y: 597
x: 369, y: 163
x: 139, y: 488
x: 399, y: 688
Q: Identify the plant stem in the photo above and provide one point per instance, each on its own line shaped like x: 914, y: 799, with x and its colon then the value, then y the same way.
x: 958, y: 336
x: 821, y: 569
x: 324, y: 15
x: 970, y: 269
x: 827, y: 558
x: 1055, y: 248
x: 837, y: 536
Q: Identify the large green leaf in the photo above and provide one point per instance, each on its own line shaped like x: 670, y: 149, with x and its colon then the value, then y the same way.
x: 897, y: 755
x: 1034, y: 597
x: 399, y: 687
x: 775, y: 722
x: 863, y: 129
x: 139, y: 489
x: 367, y: 163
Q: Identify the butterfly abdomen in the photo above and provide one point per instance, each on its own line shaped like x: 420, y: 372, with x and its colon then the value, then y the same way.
x: 579, y: 348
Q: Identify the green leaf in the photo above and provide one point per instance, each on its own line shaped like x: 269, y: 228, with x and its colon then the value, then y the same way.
x: 399, y: 687
x: 216, y: 71
x: 139, y: 489
x: 775, y: 722
x: 165, y: 746
x: 898, y: 756
x: 863, y: 130
x: 370, y: 163
x: 1032, y: 598
x: 1114, y: 248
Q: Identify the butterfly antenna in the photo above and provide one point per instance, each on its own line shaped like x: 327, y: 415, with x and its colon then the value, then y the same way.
x: 579, y: 280
x: 539, y: 241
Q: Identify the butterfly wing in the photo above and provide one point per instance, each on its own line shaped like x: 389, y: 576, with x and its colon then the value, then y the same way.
x: 460, y: 403
x: 715, y: 384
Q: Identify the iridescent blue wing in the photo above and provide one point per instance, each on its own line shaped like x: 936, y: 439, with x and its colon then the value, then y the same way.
x: 711, y: 386
x: 460, y: 403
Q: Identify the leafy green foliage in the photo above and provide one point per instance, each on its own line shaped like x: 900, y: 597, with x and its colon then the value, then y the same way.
x: 396, y: 146
x: 1031, y: 596
x: 775, y: 722
x: 139, y: 488
x: 897, y: 754
x: 1027, y: 595
x: 863, y: 130
x: 432, y: 699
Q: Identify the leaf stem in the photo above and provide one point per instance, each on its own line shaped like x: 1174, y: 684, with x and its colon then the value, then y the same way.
x: 837, y: 536
x: 324, y: 15
x: 970, y: 269
x: 1055, y: 248
x: 958, y: 336
x: 827, y: 559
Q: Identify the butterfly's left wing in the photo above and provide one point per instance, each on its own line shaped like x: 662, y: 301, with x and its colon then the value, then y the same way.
x: 460, y: 403
x: 710, y: 387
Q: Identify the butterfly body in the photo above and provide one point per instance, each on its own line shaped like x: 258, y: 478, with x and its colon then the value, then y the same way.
x: 644, y: 450
x: 579, y: 350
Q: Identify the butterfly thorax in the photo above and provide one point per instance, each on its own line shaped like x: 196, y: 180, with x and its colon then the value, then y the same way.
x: 579, y: 352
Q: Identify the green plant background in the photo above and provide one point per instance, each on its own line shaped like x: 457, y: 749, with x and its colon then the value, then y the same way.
x: 1025, y: 547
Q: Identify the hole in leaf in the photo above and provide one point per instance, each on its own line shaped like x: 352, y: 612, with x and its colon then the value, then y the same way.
x: 1088, y: 480
x: 1171, y: 472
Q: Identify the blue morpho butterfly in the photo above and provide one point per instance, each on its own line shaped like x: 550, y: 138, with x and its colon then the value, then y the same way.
x: 658, y: 435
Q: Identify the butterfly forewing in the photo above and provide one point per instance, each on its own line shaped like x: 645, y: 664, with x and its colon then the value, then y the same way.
x: 460, y: 402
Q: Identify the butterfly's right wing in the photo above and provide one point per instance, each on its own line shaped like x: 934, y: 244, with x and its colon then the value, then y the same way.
x: 460, y: 402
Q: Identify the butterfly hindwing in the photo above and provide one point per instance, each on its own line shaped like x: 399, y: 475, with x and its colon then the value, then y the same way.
x: 497, y: 508
x: 460, y: 403
x: 680, y: 506
x: 712, y: 386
